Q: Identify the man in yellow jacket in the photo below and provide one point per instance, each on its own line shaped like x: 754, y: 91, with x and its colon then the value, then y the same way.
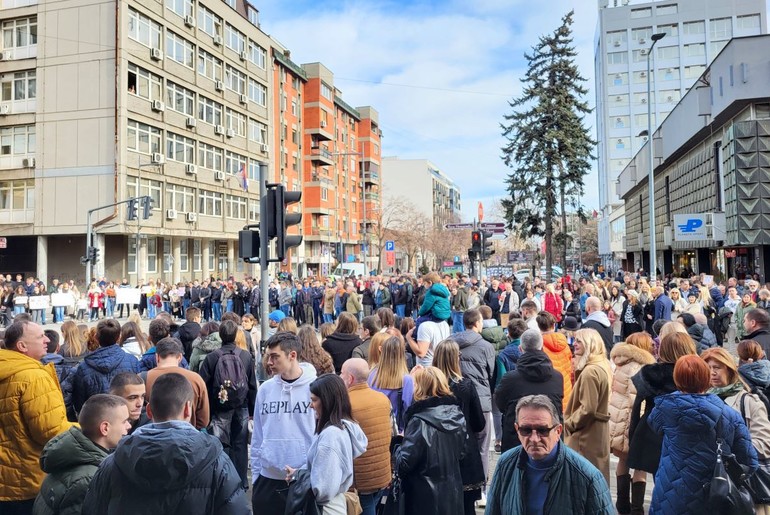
x: 31, y: 413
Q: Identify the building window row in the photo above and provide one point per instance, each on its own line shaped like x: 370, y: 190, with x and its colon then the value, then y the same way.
x: 177, y: 197
x: 19, y: 86
x: 18, y: 140
x: 20, y: 33
x: 17, y: 195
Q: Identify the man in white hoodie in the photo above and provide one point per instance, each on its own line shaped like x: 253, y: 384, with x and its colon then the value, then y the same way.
x: 284, y: 424
x: 597, y: 319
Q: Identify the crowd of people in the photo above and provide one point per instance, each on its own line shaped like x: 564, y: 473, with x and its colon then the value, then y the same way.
x: 386, y: 392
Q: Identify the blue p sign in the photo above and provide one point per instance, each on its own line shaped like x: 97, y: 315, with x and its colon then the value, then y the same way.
x: 390, y: 246
x: 691, y: 225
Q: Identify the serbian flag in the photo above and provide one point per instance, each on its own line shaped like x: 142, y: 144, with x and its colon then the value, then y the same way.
x: 244, y: 178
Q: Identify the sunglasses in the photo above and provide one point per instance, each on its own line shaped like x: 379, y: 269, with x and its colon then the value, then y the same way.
x: 542, y: 432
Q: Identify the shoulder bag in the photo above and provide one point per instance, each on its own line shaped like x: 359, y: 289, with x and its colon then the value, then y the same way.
x: 727, y: 492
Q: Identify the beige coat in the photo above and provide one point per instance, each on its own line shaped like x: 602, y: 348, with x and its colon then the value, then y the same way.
x: 757, y: 422
x: 628, y: 360
x: 586, y: 419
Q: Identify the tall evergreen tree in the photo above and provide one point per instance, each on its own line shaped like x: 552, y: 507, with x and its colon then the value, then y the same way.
x: 549, y: 148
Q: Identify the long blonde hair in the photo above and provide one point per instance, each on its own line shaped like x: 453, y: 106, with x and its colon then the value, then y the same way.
x: 593, y: 346
x: 375, y: 348
x: 391, y: 369
x: 430, y: 382
x: 74, y: 338
x: 446, y: 357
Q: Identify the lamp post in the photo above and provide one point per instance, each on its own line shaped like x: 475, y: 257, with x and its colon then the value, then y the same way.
x: 651, y: 178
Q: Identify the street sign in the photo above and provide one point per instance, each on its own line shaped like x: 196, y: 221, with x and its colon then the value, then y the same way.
x: 520, y: 257
x: 492, y: 225
x: 458, y: 226
x: 390, y: 258
x: 457, y: 259
x: 495, y: 230
x: 449, y: 263
x: 390, y: 246
x: 3, y: 243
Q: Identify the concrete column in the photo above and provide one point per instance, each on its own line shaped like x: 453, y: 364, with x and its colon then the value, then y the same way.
x: 42, y: 259
x: 230, y: 258
x: 176, y: 254
x: 98, y: 269
x: 206, y: 271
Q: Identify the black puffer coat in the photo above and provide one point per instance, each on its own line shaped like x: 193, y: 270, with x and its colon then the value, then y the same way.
x: 168, y: 468
x: 471, y: 468
x: 644, y: 443
x: 428, y: 460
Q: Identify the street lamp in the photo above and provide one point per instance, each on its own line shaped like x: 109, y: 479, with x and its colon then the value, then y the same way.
x: 651, y: 178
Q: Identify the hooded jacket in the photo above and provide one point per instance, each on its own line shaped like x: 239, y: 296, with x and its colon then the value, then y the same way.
x: 187, y: 333
x: 761, y: 336
x: 436, y: 301
x: 168, y: 468
x: 340, y: 347
x: 644, y: 444
x: 494, y: 334
x: 703, y: 337
x: 534, y: 374
x: 96, y: 371
x: 64, y: 366
x: 330, y: 459
x: 31, y: 413
x: 131, y: 346
x: 598, y: 320
x: 690, y: 425
x: 556, y: 347
x: 428, y: 461
x: 284, y: 425
x: 477, y: 363
x: 756, y: 374
x: 201, y: 348
x: 70, y: 459
x: 628, y: 360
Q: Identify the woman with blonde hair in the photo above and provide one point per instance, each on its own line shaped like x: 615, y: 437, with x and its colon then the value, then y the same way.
x: 392, y: 378
x: 680, y: 304
x: 629, y: 358
x: 288, y: 324
x: 375, y: 348
x: 586, y: 419
x: 428, y: 460
x: 311, y: 351
x: 74, y: 345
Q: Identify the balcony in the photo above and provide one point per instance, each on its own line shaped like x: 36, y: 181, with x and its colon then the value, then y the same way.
x: 320, y: 133
x: 321, y: 155
x: 371, y: 177
x: 318, y: 210
x: 371, y: 196
x: 318, y: 234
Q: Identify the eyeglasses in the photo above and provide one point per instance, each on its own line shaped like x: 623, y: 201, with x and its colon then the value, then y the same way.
x: 542, y: 432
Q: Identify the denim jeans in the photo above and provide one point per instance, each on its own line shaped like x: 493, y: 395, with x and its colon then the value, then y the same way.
x: 216, y: 307
x: 110, y: 307
x: 369, y: 502
x: 58, y: 314
x: 229, y: 305
x: 286, y: 310
x: 185, y: 305
x: 328, y: 318
x: 457, y: 322
x: 401, y: 310
x: 18, y: 310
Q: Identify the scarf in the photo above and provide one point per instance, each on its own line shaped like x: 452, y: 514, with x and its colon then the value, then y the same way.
x: 723, y: 392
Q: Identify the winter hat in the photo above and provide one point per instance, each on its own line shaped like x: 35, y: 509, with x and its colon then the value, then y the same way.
x: 276, y: 316
x: 570, y: 324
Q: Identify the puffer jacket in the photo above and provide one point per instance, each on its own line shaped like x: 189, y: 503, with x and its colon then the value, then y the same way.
x: 169, y: 467
x: 644, y: 444
x: 64, y: 366
x: 31, y: 413
x: 471, y: 467
x: 494, y: 334
x: 690, y: 425
x: 574, y: 486
x: 201, y: 348
x: 628, y: 360
x: 428, y: 460
x: 756, y: 374
x: 371, y: 409
x: 96, y: 371
x: 702, y: 336
x: 477, y: 363
x: 555, y: 345
x: 71, y: 460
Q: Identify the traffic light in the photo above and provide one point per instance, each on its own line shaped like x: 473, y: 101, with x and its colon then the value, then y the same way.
x: 476, y: 241
x: 248, y: 246
x: 133, y: 207
x: 93, y: 255
x: 486, y: 245
x: 278, y: 200
x: 147, y: 205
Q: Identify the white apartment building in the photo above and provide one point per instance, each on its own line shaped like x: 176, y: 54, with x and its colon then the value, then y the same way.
x: 695, y: 32
x: 101, y: 101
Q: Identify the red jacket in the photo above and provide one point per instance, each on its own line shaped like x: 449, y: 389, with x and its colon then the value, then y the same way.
x: 553, y: 305
x: 99, y: 296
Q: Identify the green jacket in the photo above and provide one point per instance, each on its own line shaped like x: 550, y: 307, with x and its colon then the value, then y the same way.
x: 574, y: 486
x: 70, y: 459
x: 496, y: 336
x: 460, y: 300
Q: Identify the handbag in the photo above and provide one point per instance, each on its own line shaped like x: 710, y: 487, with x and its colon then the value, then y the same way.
x: 759, y: 481
x: 300, y: 499
x: 395, y: 503
x: 727, y: 492
x: 353, y: 503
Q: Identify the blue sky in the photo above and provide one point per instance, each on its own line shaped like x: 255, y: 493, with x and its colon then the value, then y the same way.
x: 440, y: 73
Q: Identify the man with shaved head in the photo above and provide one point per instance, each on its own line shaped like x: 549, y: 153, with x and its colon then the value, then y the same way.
x: 371, y: 470
x: 597, y: 319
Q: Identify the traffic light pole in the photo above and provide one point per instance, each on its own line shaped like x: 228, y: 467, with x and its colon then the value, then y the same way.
x: 264, y: 245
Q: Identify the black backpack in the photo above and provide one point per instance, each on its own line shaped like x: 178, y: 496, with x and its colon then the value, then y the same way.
x: 230, y: 383
x: 723, y: 320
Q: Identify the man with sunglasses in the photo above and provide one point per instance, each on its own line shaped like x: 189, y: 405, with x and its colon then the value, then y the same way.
x: 544, y: 476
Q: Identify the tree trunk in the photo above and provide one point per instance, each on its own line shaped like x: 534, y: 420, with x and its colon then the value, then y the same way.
x: 550, y: 206
x: 565, y: 233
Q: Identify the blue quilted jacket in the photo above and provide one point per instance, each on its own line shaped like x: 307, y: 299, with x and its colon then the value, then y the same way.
x: 690, y: 424
x: 96, y: 371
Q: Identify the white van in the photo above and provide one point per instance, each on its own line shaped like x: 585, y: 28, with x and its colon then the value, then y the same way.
x: 347, y: 269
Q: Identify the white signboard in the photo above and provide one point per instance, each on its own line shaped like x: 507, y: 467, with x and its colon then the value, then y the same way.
x: 62, y: 299
x: 129, y: 296
x: 39, y: 302
x: 20, y: 300
x: 690, y: 227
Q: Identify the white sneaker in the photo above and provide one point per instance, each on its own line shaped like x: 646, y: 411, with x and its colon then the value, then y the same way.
x: 482, y: 503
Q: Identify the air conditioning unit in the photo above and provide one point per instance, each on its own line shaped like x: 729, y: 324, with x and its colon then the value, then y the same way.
x: 244, y: 55
x: 171, y: 214
x: 189, y: 21
x: 642, y: 41
x: 218, y: 40
x: 643, y: 74
x: 6, y: 56
x: 5, y: 109
x: 620, y: 141
x: 191, y: 217
x: 244, y: 99
x: 191, y: 169
x: 263, y: 148
x: 643, y: 51
x: 219, y: 85
x: 619, y: 120
x: 156, y: 54
x: 191, y: 121
x: 618, y: 76
x: 230, y: 133
x: 669, y: 70
x: 669, y: 98
x: 158, y: 106
x: 219, y: 176
x: 158, y: 158
x: 618, y: 98
x: 28, y: 162
x: 616, y: 43
x: 219, y: 129
x: 644, y: 101
x: 323, y: 123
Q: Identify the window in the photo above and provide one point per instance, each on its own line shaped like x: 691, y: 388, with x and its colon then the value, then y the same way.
x: 721, y: 28
x: 131, y: 255
x: 142, y: 29
x: 619, y: 122
x: 197, y: 256
x: 294, y: 107
x: 617, y: 58
x: 168, y: 257
x: 209, y: 66
x: 235, y: 207
x: 640, y: 98
x: 234, y: 39
x: 181, y: 7
x: 641, y: 77
x: 616, y: 37
x: 619, y: 101
x: 253, y: 210
x: 295, y: 83
x: 209, y: 111
x: 212, y: 254
x: 257, y: 93
x: 326, y: 91
x: 693, y: 72
x: 663, y: 10
x: 209, y: 22
x: 152, y: 255
x: 180, y: 198
x: 19, y: 86
x: 235, y: 80
x: 668, y: 52
x: 179, y: 148
x: 716, y: 47
x: 640, y: 56
x: 641, y: 13
x: 750, y: 22
x: 324, y: 194
x: 234, y: 162
x: 210, y: 157
x: 18, y: 140
x: 184, y: 251
x: 668, y: 96
x: 257, y: 55
x: 622, y: 143
x: 236, y: 121
x: 20, y: 33
x: 695, y: 50
x: 142, y: 138
x: 669, y: 30
x: 17, y: 195
x: 618, y: 79
x: 179, y: 49
x: 669, y: 74
x: 640, y: 120
x: 151, y: 188
x: 257, y: 131
x: 210, y: 203
x: 180, y: 99
x: 253, y: 15
x: 641, y: 35
x: 694, y: 27
x: 144, y: 83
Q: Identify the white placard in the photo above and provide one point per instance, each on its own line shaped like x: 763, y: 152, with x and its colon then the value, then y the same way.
x: 20, y: 300
x: 39, y: 302
x: 129, y: 296
x: 62, y: 299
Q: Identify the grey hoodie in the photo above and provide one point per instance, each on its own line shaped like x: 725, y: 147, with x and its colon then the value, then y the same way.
x: 477, y: 363
x: 599, y: 317
x: 330, y: 459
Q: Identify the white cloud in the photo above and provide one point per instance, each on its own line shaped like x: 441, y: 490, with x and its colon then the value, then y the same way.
x: 440, y: 75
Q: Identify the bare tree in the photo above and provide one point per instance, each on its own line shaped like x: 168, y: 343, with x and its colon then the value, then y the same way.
x: 400, y: 220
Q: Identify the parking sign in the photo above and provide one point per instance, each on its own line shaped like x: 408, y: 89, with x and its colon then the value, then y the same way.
x: 390, y: 246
